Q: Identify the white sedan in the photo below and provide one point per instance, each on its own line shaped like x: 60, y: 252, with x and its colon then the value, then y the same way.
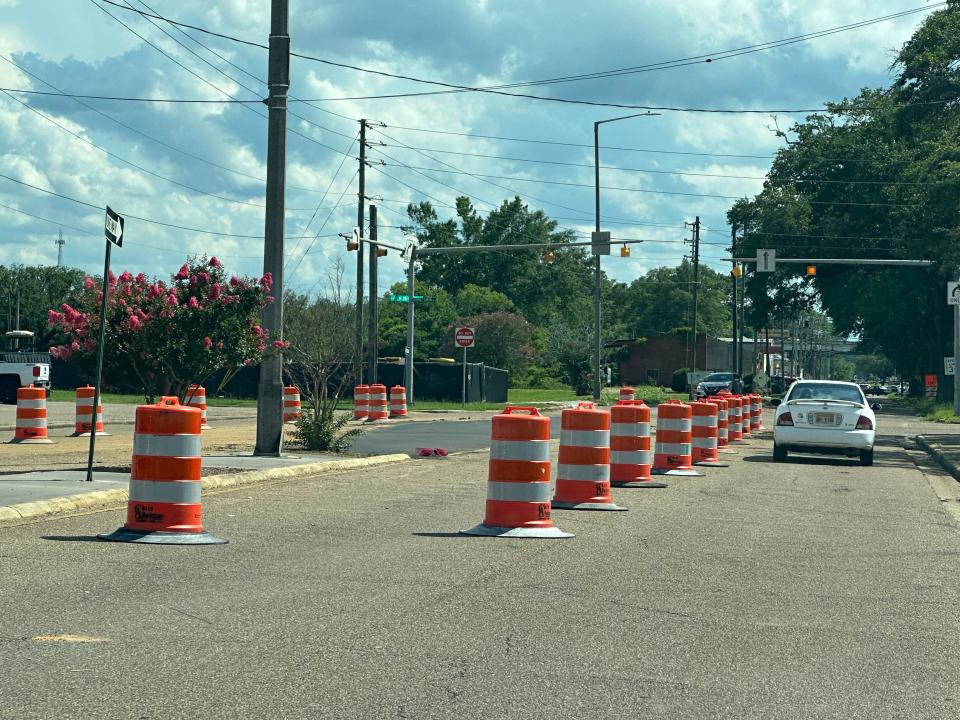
x: 822, y: 416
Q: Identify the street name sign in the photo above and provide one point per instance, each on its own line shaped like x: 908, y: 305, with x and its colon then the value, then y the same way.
x: 766, y: 260
x: 949, y: 366
x: 113, y: 227
x: 465, y: 337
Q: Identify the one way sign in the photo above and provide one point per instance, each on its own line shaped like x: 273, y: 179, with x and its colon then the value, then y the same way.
x: 113, y: 227
x: 766, y: 260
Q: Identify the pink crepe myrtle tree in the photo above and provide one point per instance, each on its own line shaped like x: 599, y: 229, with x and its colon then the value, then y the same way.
x: 163, y: 337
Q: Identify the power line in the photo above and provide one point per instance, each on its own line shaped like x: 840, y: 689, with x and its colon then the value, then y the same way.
x: 635, y: 190
x: 500, y: 89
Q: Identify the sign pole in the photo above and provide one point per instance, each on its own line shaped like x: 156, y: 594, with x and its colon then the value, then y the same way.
x: 463, y: 396
x: 96, y: 384
x: 956, y: 359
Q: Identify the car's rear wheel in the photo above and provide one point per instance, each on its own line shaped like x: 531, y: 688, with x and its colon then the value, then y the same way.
x: 866, y: 457
x: 779, y: 453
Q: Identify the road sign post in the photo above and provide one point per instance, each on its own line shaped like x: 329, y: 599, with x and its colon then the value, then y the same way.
x: 113, y: 232
x: 953, y: 298
x: 465, y: 337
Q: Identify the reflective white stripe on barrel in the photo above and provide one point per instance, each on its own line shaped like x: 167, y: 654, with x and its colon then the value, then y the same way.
x: 586, y: 473
x: 640, y: 429
x: 84, y: 402
x: 166, y: 445
x: 722, y: 414
x: 681, y: 424
x: 673, y: 448
x: 705, y: 443
x: 174, y: 491
x: 722, y: 433
x: 31, y: 422
x: 705, y: 421
x: 585, y: 438
x: 85, y: 417
x: 377, y: 396
x: 630, y: 457
x: 32, y: 404
x: 526, y: 450
x: 519, y: 492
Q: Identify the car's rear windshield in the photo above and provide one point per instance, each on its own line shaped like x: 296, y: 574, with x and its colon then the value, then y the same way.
x: 816, y: 391
x: 719, y: 377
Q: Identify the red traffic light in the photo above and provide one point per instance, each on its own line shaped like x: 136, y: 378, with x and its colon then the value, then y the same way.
x: 811, y: 270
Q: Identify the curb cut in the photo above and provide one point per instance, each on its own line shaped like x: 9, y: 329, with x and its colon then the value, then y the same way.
x: 109, y: 499
x: 942, y: 460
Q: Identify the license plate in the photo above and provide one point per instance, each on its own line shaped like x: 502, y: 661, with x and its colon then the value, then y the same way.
x: 825, y: 418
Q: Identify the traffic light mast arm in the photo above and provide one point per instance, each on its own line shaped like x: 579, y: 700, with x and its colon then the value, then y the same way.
x: 497, y: 248
x: 839, y: 261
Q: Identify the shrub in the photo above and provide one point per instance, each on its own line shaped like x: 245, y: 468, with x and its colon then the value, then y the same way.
x: 324, y: 431
x: 678, y: 383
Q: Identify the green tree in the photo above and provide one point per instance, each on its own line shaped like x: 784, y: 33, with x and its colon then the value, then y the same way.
x: 432, y: 318
x: 38, y: 288
x: 476, y: 300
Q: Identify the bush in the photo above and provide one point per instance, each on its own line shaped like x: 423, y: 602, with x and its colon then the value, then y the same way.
x: 678, y: 383
x: 324, y: 431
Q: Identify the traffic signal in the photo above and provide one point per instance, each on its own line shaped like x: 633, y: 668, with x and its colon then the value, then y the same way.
x: 624, y: 251
x: 811, y: 270
x: 381, y: 251
x: 352, y: 245
x: 736, y: 271
x: 549, y: 256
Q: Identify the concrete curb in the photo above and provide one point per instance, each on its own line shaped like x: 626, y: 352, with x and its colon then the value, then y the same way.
x: 945, y: 462
x: 109, y: 499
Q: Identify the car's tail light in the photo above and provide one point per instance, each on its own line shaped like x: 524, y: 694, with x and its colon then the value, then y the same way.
x: 864, y: 423
x: 785, y: 419
x: 36, y: 371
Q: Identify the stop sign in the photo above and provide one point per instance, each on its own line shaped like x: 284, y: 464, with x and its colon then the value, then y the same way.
x: 465, y: 337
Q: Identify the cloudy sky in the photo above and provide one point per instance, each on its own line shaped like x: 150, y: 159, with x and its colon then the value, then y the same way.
x: 201, y: 166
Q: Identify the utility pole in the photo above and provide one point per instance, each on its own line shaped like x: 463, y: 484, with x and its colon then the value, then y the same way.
x: 408, y: 351
x: 373, y: 332
x: 60, y: 243
x: 734, y: 271
x: 270, y: 389
x: 956, y: 359
x: 361, y: 199
x: 696, y: 286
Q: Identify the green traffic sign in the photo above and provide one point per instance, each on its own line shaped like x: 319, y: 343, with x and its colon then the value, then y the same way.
x: 406, y: 298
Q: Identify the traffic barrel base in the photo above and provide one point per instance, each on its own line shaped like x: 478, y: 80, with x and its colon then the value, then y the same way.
x: 583, y: 467
x: 711, y: 463
x: 517, y: 532
x: 518, y: 478
x: 161, y: 537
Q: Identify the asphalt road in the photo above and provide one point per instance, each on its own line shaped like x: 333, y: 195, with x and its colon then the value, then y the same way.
x: 812, y: 589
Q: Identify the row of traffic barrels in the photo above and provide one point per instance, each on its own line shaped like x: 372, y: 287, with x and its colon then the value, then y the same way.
x: 370, y: 402
x: 600, y: 449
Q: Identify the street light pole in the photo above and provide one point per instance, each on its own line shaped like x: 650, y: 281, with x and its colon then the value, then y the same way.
x: 597, y: 248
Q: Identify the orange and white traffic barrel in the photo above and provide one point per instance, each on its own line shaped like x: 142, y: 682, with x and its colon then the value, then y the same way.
x: 722, y: 427
x: 31, y: 426
x: 291, y: 404
x: 197, y: 398
x: 745, y: 416
x: 627, y: 393
x: 164, y: 498
x: 734, y: 417
x: 377, y: 403
x: 583, y: 467
x: 630, y: 452
x: 360, y: 402
x: 85, y: 420
x: 704, y: 442
x: 398, y: 401
x: 672, y: 451
x: 756, y: 411
x: 518, y: 478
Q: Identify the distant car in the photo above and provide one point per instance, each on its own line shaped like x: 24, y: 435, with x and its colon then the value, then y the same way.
x: 715, y: 382
x: 822, y: 416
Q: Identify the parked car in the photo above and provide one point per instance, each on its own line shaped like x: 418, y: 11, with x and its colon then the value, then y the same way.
x: 822, y: 416
x: 715, y: 382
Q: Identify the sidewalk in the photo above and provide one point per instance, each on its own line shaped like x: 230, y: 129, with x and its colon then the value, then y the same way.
x: 945, y: 449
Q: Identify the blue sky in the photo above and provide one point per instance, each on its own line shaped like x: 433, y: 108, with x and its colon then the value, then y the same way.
x: 220, y: 149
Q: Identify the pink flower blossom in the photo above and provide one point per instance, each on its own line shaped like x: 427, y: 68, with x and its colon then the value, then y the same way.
x: 156, y: 290
x: 183, y: 273
x: 172, y: 300
x: 259, y: 331
x: 207, y: 343
x: 193, y: 303
x: 248, y: 362
x: 144, y: 355
x: 74, y: 346
x: 269, y: 299
x: 234, y: 281
x: 134, y: 322
x: 214, y: 262
x: 88, y: 283
x: 53, y: 317
x: 215, y: 291
x: 126, y: 276
x: 281, y: 344
x: 266, y: 281
x: 112, y: 278
x: 141, y: 279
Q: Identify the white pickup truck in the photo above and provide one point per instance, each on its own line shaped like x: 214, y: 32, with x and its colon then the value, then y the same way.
x: 19, y: 368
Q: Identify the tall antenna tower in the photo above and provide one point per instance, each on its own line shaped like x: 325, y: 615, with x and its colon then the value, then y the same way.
x: 60, y: 243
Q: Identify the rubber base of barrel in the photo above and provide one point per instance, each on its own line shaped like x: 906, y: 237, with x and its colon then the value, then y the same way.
x: 493, y: 531
x: 159, y: 537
